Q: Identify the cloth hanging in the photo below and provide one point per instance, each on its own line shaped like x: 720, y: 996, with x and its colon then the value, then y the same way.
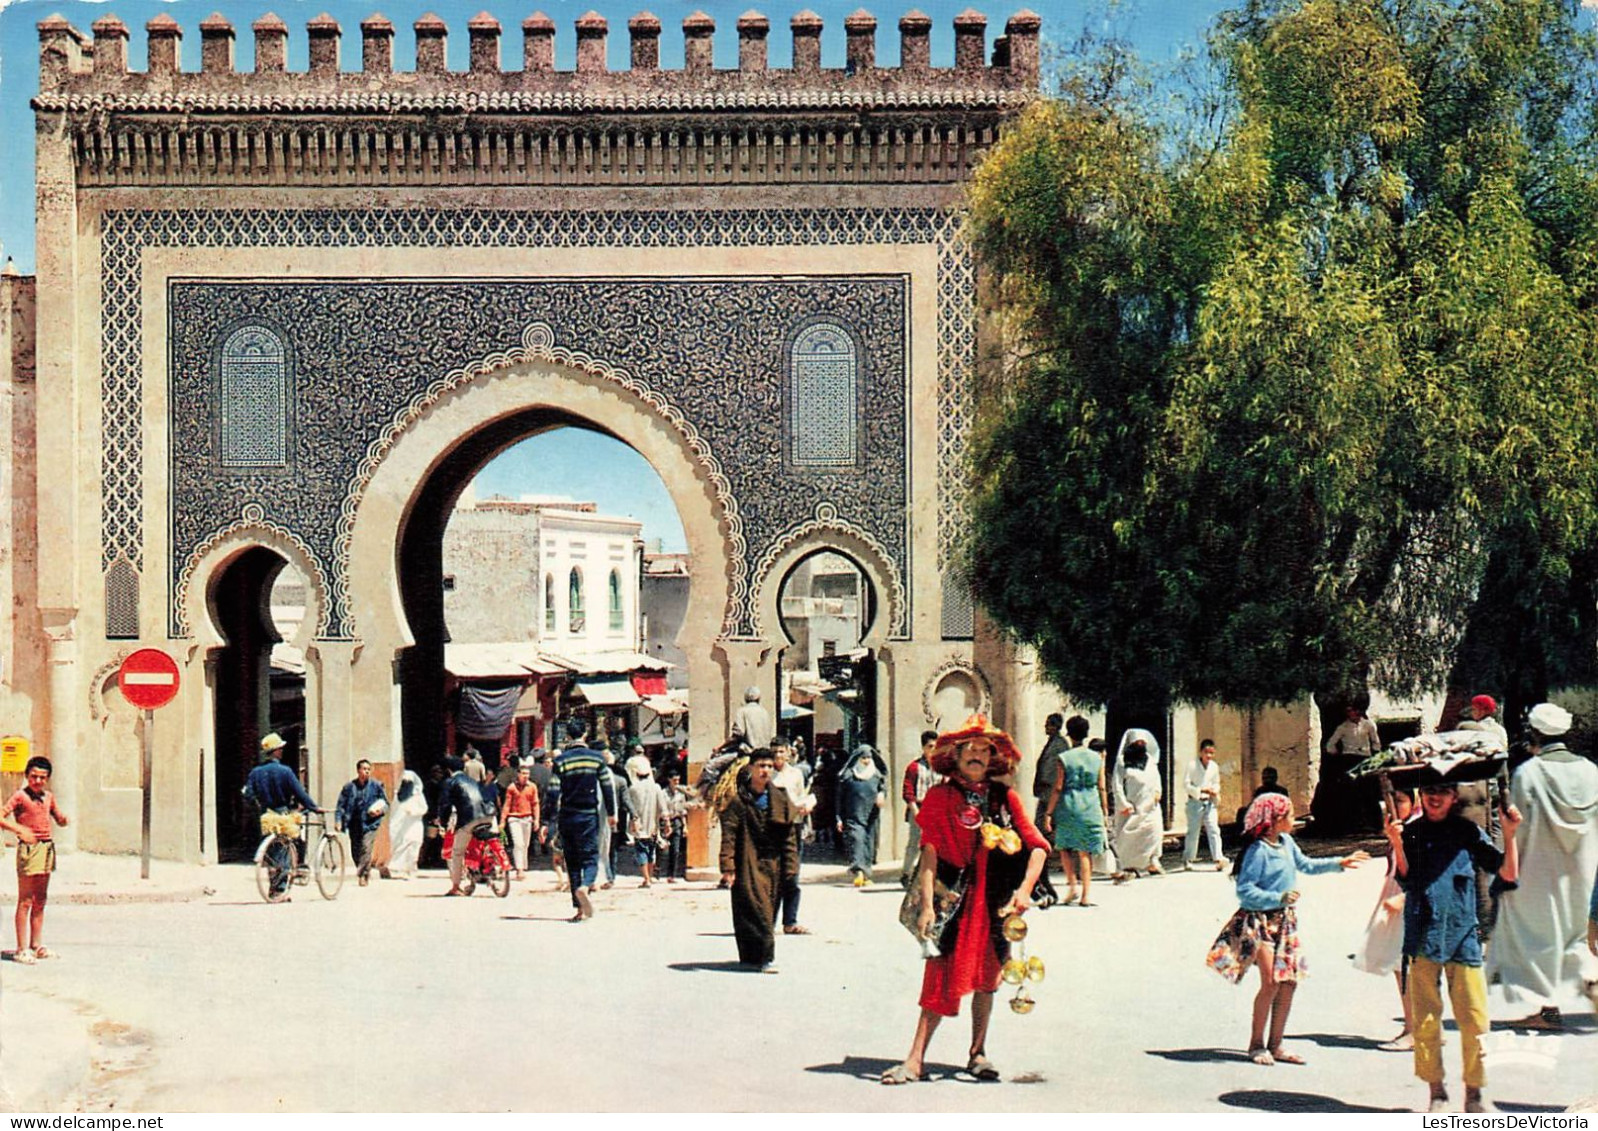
x: 486, y: 712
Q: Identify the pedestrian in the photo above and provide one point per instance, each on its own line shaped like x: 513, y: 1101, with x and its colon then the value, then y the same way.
x: 1481, y: 711
x: 679, y: 800
x: 1043, y: 776
x: 462, y: 800
x: 29, y: 813
x: 1203, y: 792
x: 405, y: 827
x: 1382, y: 949
x: 1074, y: 814
x: 919, y: 776
x: 791, y: 780
x: 1140, y: 826
x: 541, y: 767
x: 612, y: 832
x: 1538, y: 947
x: 1000, y: 869
x: 1356, y: 736
x: 582, y: 800
x: 646, y: 807
x: 474, y: 766
x: 1264, y: 931
x: 759, y: 853
x: 752, y: 727
x: 1435, y: 859
x: 862, y: 792
x: 432, y: 852
x: 522, y: 817
x: 362, y: 805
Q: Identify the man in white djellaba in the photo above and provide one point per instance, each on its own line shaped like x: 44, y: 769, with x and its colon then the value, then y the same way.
x: 1540, y: 946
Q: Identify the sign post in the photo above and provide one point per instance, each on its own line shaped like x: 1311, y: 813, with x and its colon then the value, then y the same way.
x: 148, y: 679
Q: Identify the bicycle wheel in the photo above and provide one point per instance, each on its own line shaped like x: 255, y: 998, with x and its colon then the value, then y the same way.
x: 499, y: 879
x: 275, y: 860
x: 329, y: 867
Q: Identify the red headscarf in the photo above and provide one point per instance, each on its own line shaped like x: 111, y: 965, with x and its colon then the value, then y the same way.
x: 1486, y: 704
x: 1266, y: 810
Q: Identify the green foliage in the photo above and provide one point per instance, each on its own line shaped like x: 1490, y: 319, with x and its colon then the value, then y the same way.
x: 1292, y: 405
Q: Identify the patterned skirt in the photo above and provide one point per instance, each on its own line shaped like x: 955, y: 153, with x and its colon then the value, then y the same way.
x: 1236, y: 946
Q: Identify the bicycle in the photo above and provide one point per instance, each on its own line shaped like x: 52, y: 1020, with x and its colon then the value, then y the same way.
x: 277, y: 860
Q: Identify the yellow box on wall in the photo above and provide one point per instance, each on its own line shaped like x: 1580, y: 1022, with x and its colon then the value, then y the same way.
x: 13, y: 754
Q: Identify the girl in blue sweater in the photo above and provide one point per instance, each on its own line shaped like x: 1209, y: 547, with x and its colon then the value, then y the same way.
x: 1264, y: 932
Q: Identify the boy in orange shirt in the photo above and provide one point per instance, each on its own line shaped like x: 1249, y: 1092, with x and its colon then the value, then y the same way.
x: 33, y: 807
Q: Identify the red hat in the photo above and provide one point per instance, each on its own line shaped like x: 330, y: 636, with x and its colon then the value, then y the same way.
x: 945, y: 752
x: 1486, y: 703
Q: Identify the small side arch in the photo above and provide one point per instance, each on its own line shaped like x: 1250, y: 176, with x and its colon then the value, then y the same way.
x: 824, y: 536
x: 195, y: 599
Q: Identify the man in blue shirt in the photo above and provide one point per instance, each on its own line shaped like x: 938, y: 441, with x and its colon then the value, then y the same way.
x: 362, y: 805
x: 272, y: 785
x: 1435, y: 860
x: 581, y: 791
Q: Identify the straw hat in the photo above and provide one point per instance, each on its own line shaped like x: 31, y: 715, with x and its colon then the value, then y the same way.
x: 945, y: 752
x: 271, y: 742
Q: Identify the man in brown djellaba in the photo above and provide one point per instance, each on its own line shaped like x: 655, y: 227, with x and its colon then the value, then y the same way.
x: 759, y: 852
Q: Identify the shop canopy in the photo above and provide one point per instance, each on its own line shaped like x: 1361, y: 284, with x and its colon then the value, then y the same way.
x: 608, y: 691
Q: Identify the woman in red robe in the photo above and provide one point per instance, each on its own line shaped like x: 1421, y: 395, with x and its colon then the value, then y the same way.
x: 959, y: 819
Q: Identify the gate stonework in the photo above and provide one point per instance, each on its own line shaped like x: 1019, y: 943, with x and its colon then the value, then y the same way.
x: 270, y: 303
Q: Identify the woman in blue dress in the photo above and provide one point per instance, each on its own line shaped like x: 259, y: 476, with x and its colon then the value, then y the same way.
x: 1075, y: 812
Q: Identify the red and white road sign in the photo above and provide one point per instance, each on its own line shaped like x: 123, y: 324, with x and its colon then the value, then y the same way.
x: 148, y: 679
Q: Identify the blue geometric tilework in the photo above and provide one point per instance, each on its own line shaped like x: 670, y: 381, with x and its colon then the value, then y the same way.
x: 362, y: 350
x: 126, y: 233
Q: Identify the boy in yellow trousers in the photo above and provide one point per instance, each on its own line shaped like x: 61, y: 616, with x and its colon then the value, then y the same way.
x: 1435, y: 860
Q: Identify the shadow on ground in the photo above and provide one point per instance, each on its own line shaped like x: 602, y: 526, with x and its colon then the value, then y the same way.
x: 1296, y: 1103
x: 871, y: 1068
x: 1337, y: 1040
x: 1199, y: 1056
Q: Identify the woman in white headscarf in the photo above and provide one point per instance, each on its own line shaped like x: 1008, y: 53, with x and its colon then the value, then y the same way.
x: 405, y: 826
x: 1139, y: 824
x: 862, y: 792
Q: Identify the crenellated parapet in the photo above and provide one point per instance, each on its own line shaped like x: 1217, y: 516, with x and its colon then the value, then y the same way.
x: 758, y: 122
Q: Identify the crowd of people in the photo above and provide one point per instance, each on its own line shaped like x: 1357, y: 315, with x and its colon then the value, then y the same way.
x: 1479, y: 889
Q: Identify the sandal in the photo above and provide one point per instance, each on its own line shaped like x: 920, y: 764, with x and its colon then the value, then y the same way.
x: 1547, y: 1018
x: 44, y: 952
x: 1261, y: 1057
x: 982, y: 1068
x: 23, y: 956
x: 1281, y: 1057
x: 901, y: 1074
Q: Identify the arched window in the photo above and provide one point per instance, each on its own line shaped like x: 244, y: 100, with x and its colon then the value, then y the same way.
x: 824, y: 398
x: 576, y: 621
x: 616, y: 618
x: 254, y: 401
x: 549, y: 602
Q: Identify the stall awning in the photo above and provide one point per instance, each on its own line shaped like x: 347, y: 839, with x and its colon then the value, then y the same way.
x: 616, y: 692
x: 498, y: 661
x: 649, y: 683
x: 668, y: 704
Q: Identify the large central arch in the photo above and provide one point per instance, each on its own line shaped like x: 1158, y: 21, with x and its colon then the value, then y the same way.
x: 478, y: 411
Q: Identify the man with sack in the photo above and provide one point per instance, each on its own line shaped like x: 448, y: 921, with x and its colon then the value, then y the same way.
x: 362, y: 805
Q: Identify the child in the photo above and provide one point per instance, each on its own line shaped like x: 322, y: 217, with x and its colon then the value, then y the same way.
x: 34, y: 808
x: 1264, y: 932
x: 1435, y: 861
x: 1382, y: 952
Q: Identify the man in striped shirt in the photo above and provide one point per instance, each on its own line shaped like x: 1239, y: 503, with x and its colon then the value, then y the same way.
x: 581, y: 794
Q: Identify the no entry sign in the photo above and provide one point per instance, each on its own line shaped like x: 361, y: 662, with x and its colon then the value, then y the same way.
x: 148, y: 679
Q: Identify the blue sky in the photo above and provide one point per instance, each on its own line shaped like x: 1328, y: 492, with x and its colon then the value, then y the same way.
x: 570, y: 462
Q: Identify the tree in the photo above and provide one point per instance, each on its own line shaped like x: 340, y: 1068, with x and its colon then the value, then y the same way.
x: 1291, y: 395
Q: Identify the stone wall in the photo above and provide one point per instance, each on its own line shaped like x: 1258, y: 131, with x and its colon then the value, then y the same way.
x: 24, y: 700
